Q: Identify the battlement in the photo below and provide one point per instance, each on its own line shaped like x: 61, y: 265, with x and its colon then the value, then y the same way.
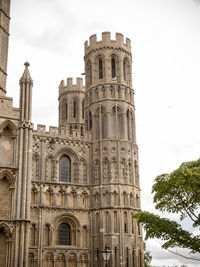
x: 69, y: 86
x: 106, y: 41
x: 65, y: 132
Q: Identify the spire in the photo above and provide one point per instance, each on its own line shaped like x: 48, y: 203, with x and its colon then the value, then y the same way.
x: 26, y: 84
x: 26, y: 77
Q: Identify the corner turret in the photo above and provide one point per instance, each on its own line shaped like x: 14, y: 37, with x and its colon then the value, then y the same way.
x: 71, y: 103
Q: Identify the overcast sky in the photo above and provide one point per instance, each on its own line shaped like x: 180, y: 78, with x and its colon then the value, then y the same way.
x: 165, y: 37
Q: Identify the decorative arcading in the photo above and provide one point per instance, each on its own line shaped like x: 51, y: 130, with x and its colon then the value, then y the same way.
x: 107, y: 42
x: 109, y: 91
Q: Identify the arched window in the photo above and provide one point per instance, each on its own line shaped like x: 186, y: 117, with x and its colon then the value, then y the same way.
x: 3, y: 246
x: 33, y: 233
x: 129, y: 125
x: 139, y: 229
x: 85, y: 237
x: 5, y: 197
x: 63, y: 110
x: 89, y: 73
x: 113, y: 67
x: 83, y: 107
x: 97, y: 223
x: 70, y: 129
x: 82, y: 131
x: 74, y: 109
x: 64, y: 233
x: 115, y: 222
x: 115, y: 198
x: 90, y: 120
x: 34, y: 196
x: 47, y: 235
x: 100, y: 69
x: 125, y: 223
x: 66, y: 110
x: 132, y: 223
x: 64, y: 169
x: 124, y: 70
x: 107, y: 222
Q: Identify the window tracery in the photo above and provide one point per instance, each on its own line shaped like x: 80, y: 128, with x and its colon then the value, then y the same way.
x: 64, y: 234
x: 65, y: 169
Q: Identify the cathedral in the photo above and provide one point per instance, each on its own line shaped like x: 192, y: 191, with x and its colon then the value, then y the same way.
x: 68, y: 193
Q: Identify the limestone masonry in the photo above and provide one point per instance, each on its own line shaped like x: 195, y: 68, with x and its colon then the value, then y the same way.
x: 68, y: 191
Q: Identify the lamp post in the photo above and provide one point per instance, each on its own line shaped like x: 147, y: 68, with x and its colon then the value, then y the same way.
x: 106, y: 254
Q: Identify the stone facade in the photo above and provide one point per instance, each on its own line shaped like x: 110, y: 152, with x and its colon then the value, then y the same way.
x: 67, y: 192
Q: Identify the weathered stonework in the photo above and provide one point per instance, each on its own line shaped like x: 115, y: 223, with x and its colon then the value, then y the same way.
x: 55, y: 214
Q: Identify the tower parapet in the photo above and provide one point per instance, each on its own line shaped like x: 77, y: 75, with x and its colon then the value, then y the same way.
x: 108, y: 61
x: 69, y: 86
x: 106, y: 42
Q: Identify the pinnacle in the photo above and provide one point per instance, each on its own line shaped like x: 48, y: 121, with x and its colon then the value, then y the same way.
x: 27, y: 64
x: 26, y: 77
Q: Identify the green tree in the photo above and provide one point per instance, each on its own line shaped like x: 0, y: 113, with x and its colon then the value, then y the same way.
x: 147, y: 257
x: 177, y: 192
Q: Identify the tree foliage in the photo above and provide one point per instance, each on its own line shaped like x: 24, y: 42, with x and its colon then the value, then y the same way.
x: 147, y: 257
x: 177, y: 192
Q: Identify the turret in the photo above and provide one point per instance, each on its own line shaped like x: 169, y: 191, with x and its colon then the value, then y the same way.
x: 110, y: 116
x: 71, y: 104
x: 108, y: 61
x: 4, y: 37
x: 108, y: 70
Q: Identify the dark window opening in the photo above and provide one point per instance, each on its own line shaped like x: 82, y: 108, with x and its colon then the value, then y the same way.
x: 64, y: 169
x: 64, y: 234
x: 124, y: 70
x: 83, y: 107
x: 66, y: 111
x: 74, y: 113
x: 100, y: 69
x: 113, y: 67
x: 90, y: 120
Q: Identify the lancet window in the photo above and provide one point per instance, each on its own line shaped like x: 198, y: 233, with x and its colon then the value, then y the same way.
x: 65, y: 169
x: 113, y: 67
x: 100, y: 69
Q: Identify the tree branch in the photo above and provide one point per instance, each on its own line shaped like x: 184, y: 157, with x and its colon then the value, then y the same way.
x: 186, y: 257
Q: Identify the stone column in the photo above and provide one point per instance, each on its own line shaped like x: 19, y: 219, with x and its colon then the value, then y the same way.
x: 25, y: 167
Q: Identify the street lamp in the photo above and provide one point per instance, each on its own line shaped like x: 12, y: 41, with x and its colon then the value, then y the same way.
x: 106, y: 254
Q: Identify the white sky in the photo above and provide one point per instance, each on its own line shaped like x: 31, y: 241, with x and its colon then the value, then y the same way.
x: 165, y: 37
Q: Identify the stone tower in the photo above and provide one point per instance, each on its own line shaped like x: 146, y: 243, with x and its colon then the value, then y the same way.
x: 71, y: 105
x: 4, y: 37
x: 110, y: 116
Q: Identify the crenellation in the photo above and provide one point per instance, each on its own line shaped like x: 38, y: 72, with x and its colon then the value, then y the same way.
x: 120, y: 39
x: 53, y: 130
x: 107, y: 42
x: 41, y: 128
